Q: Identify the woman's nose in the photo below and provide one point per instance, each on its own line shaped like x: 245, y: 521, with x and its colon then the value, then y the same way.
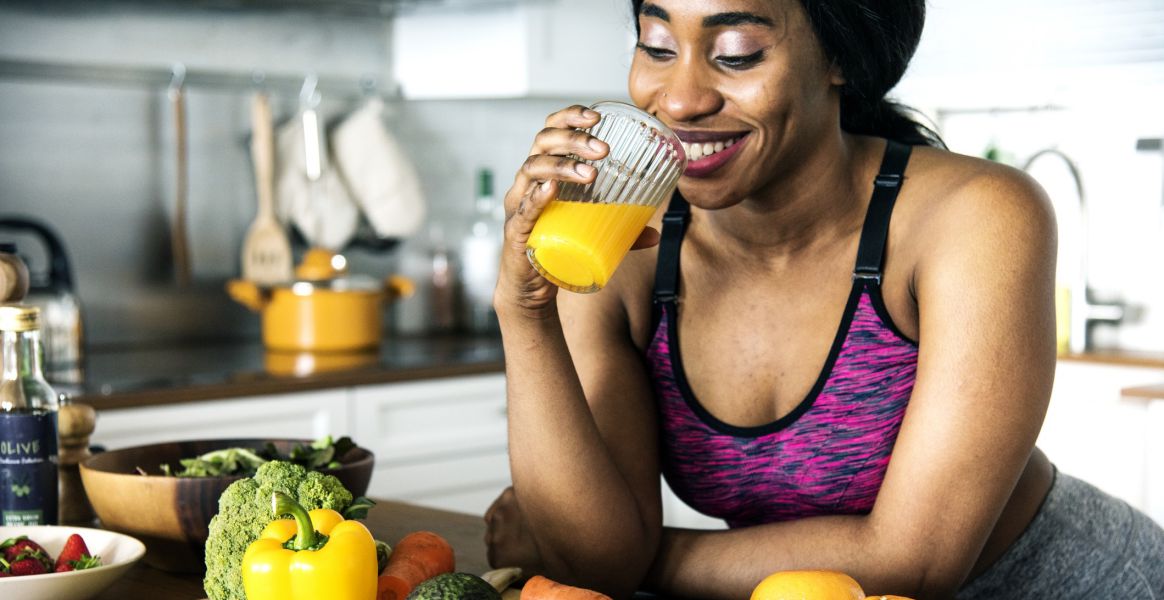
x: 688, y: 95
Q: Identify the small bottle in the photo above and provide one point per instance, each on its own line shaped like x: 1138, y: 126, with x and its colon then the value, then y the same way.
x: 28, y: 423
x: 444, y: 287
x: 480, y: 258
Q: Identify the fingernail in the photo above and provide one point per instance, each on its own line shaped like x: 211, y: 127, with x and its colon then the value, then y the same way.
x: 584, y: 169
x: 590, y: 114
x: 596, y: 145
x: 546, y: 186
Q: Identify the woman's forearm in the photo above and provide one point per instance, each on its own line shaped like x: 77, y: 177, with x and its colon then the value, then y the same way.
x: 582, y: 512
x: 727, y: 565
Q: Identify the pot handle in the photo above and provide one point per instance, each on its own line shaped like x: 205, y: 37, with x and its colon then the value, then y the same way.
x: 398, y: 286
x: 247, y: 294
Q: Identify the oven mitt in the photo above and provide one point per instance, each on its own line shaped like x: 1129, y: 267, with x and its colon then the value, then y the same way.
x: 322, y: 210
x: 382, y: 180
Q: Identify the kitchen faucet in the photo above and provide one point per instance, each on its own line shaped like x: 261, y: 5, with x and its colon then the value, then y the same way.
x: 1084, y: 310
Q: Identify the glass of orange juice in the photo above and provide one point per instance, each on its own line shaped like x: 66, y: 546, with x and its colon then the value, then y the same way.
x: 584, y: 233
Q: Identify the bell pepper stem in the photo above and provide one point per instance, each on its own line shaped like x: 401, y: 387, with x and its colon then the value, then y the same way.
x: 305, y: 536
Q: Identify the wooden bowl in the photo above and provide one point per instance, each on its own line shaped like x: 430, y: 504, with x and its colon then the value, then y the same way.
x: 171, y: 514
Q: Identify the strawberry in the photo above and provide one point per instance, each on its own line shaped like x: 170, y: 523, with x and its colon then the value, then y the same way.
x: 27, y: 564
x: 75, y: 556
x: 14, y: 546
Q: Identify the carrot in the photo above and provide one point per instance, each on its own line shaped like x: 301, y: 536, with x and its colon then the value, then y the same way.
x: 416, y: 557
x: 541, y: 588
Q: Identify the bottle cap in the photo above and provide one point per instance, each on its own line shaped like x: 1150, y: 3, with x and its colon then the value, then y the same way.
x: 19, y: 317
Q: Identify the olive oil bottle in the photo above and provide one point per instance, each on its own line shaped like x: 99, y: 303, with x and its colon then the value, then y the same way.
x: 28, y: 423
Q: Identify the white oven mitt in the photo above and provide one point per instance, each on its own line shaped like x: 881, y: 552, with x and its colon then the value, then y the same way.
x: 378, y: 173
x: 321, y: 210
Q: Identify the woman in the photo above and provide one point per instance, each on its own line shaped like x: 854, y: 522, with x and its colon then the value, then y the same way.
x: 849, y: 392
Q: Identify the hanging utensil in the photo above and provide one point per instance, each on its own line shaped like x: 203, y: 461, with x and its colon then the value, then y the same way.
x: 266, y: 258
x: 327, y: 217
x: 179, y: 244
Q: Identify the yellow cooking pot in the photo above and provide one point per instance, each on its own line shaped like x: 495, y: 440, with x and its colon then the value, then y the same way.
x: 324, y: 309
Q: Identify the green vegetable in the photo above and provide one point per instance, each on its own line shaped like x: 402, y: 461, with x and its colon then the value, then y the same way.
x: 454, y: 586
x: 244, y: 509
x: 321, y: 454
x: 383, y: 552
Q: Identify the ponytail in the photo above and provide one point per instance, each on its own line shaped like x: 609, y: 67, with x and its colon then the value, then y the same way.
x: 887, y: 119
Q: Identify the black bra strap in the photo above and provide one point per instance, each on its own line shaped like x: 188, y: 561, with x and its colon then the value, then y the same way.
x: 875, y: 233
x: 667, y: 267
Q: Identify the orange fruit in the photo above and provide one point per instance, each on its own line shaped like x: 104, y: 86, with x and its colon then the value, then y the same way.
x: 808, y: 585
x: 886, y: 597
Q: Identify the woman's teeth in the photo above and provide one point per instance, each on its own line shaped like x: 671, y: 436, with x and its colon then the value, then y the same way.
x: 698, y: 150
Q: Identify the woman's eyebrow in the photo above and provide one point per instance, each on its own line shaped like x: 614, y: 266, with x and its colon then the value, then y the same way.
x: 654, y: 10
x: 729, y: 19
x: 725, y: 19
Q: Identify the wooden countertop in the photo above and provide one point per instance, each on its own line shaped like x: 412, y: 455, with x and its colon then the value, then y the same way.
x: 149, y: 376
x: 1125, y: 358
x: 1144, y: 392
x: 388, y: 521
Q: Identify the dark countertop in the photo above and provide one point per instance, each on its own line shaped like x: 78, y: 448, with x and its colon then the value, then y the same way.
x: 126, y: 378
x: 145, y: 376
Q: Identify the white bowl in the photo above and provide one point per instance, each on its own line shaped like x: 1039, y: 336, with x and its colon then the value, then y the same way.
x: 118, y: 552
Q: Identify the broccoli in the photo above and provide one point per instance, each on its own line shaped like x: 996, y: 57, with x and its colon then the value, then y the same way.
x: 244, y: 509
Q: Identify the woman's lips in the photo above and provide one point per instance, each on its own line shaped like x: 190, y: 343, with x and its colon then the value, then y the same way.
x: 705, y: 157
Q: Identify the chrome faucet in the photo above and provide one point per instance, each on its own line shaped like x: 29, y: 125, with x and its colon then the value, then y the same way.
x: 1085, y: 311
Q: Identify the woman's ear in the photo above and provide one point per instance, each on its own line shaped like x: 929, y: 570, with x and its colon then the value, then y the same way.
x: 836, y: 77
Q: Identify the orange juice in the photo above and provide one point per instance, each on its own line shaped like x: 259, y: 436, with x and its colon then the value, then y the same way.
x: 577, y: 245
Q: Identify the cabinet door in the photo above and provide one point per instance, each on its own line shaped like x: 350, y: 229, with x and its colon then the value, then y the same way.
x: 512, y: 49
x: 439, y: 443
x: 1090, y: 433
x: 307, y: 415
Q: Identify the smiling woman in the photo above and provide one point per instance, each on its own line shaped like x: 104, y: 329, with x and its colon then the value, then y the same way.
x: 867, y: 339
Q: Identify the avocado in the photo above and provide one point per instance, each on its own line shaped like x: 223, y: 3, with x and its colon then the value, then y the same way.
x: 454, y: 586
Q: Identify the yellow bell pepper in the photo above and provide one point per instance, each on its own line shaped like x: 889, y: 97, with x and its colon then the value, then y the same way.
x: 314, y: 556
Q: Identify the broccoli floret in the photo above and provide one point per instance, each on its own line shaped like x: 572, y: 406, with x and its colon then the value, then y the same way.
x: 323, y: 491
x: 244, y: 509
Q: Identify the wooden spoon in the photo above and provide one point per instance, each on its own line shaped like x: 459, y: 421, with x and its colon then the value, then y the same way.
x: 266, y: 254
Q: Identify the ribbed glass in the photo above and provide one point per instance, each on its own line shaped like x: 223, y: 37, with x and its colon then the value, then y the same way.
x: 582, y: 235
x: 644, y: 164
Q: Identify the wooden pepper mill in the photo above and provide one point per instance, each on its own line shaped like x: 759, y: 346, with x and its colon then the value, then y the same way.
x: 75, y: 422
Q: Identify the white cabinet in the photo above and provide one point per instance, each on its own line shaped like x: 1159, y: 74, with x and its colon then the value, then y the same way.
x: 306, y: 415
x: 514, y: 49
x: 439, y: 443
x: 1092, y: 434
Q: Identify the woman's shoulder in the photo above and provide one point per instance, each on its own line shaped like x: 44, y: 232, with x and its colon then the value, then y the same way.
x: 948, y: 193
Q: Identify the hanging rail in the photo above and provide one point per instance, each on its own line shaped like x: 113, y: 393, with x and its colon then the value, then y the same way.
x: 161, y: 77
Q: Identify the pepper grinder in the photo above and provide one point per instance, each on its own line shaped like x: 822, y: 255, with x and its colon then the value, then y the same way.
x: 75, y: 423
x: 13, y: 275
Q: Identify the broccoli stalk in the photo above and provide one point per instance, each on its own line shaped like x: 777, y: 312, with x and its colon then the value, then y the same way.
x: 244, y: 509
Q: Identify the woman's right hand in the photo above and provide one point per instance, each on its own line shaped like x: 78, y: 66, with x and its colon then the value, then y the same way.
x: 520, y: 288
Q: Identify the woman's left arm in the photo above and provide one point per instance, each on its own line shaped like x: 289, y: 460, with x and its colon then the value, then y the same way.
x: 985, y: 296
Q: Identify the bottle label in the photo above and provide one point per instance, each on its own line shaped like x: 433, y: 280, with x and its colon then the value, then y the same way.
x: 28, y: 468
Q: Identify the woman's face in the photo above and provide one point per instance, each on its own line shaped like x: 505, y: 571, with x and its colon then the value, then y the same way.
x: 745, y: 85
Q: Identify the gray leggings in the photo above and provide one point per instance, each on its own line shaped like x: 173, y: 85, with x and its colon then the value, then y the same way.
x: 1082, y: 543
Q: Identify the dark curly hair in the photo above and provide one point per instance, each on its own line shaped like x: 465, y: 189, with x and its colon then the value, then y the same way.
x: 872, y: 41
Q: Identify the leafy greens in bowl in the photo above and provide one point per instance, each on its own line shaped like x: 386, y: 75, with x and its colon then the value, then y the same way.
x: 323, y: 453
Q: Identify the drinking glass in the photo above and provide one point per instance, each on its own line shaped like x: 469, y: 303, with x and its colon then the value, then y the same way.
x: 584, y: 233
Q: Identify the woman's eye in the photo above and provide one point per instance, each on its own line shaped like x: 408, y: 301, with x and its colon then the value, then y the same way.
x: 740, y: 62
x: 653, y: 52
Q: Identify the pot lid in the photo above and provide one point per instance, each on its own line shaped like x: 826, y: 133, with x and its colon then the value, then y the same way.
x: 323, y: 269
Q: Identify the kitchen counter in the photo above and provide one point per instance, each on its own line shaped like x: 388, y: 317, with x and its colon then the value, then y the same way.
x: 388, y: 521
x: 129, y: 378
x: 149, y: 376
x: 1125, y: 358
